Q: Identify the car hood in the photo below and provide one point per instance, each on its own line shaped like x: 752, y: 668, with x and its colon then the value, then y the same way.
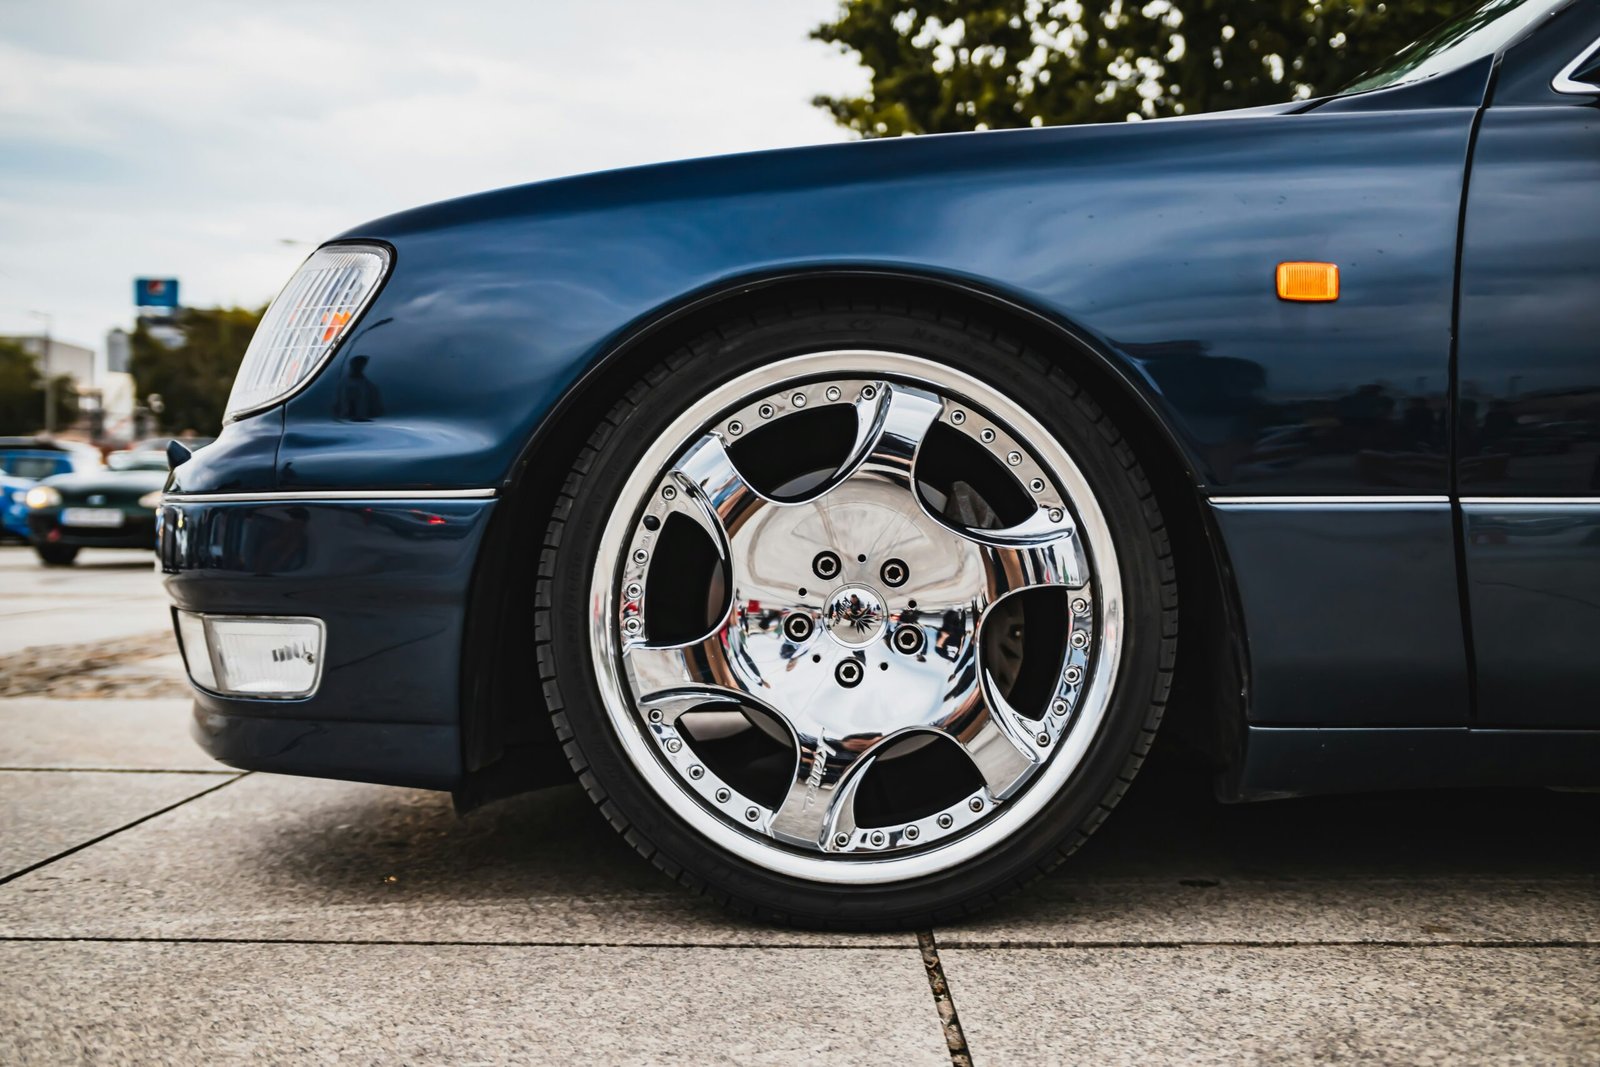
x: 115, y: 485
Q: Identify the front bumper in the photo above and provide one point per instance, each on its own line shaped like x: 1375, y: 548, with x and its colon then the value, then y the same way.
x: 388, y: 577
x: 138, y: 530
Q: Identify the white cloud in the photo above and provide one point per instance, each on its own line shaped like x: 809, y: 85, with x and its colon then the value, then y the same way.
x: 191, y: 138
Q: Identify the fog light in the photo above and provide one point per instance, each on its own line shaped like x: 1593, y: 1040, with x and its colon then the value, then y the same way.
x: 252, y: 655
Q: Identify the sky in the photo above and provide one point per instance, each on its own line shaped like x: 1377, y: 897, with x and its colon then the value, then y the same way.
x: 218, y: 143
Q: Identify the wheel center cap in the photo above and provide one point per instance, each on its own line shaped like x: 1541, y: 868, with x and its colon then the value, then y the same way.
x: 854, y: 616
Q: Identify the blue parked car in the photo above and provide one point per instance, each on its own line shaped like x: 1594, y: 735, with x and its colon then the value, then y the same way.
x: 849, y: 519
x: 26, y: 461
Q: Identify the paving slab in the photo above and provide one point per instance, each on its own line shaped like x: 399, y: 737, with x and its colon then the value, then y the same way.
x: 1171, y: 865
x: 106, y: 594
x: 90, y: 734
x: 272, y: 857
x: 42, y: 814
x: 1288, y: 1005
x: 463, y: 1004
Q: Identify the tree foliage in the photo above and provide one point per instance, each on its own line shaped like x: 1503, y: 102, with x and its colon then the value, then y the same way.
x: 942, y: 66
x: 22, y: 390
x: 193, y: 378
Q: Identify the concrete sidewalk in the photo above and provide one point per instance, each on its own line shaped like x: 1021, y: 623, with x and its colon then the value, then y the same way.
x: 157, y: 906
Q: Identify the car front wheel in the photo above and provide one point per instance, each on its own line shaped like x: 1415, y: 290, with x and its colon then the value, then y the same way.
x: 856, y: 617
x: 56, y: 555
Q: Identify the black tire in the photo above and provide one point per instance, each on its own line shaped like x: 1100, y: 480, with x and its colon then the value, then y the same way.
x: 592, y: 488
x: 57, y: 555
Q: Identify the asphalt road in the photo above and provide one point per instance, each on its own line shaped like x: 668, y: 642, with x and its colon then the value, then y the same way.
x: 157, y: 906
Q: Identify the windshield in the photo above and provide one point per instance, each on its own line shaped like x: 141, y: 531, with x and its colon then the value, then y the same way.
x: 32, y: 466
x: 1482, y: 31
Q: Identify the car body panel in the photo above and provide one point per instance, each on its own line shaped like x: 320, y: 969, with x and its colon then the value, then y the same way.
x: 1319, y: 438
x: 21, y: 468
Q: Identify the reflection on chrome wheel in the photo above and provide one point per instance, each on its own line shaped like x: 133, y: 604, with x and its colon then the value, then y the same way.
x: 854, y: 620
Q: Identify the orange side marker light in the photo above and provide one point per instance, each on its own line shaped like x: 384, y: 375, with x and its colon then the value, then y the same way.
x: 1308, y: 281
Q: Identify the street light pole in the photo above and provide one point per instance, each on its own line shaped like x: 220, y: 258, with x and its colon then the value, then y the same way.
x: 49, y: 381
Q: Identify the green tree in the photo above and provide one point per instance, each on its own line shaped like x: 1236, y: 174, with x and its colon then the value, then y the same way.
x: 942, y: 66
x: 22, y: 390
x: 194, y: 376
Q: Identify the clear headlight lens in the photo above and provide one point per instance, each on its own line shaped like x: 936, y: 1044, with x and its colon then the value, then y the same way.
x: 273, y: 657
x: 305, y: 323
x: 42, y: 496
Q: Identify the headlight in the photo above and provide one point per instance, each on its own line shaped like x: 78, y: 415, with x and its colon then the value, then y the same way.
x: 151, y: 500
x: 42, y: 496
x: 305, y: 323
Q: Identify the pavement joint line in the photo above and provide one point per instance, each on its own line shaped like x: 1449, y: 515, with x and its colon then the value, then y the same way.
x: 955, y: 1038
x: 371, y: 942
x: 112, y: 833
x: 1384, y: 943
x: 116, y: 770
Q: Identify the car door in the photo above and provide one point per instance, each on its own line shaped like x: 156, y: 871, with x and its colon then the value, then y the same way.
x: 1528, y: 382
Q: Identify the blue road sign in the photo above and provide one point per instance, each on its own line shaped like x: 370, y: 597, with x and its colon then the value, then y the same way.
x: 155, y: 292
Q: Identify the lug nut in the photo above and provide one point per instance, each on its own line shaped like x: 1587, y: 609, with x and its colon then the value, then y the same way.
x: 673, y: 745
x: 826, y: 565
x: 736, y: 427
x: 1080, y: 606
x: 798, y: 400
x: 640, y: 555
x: 986, y: 436
x: 894, y: 572
x: 945, y: 822
x: 1074, y: 675
x: 1044, y: 740
x: 841, y: 840
x: 1037, y: 485
x: 697, y: 772
x: 1078, y: 639
x: 632, y: 626
x: 848, y: 673
x: 752, y: 814
x: 877, y: 839
x: 1059, y: 707
x: 634, y: 591
x: 668, y: 493
x: 765, y: 411
x: 908, y: 639
x: 722, y: 796
x: 958, y: 416
x: 976, y: 803
x: 1056, y: 514
x: 833, y: 392
x: 797, y: 627
x: 1014, y: 458
x: 655, y: 715
x: 868, y: 392
x: 912, y: 833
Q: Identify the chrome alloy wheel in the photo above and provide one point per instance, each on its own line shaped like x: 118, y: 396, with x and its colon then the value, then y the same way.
x: 851, y: 614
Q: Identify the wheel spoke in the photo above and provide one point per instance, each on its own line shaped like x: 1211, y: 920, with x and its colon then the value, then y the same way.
x: 677, y: 679
x: 820, y: 801
x: 890, y: 426
x: 999, y: 747
x: 717, y: 498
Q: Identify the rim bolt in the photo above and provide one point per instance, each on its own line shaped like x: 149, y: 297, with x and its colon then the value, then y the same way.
x: 1079, y: 639
x: 1080, y: 606
x: 912, y: 833
x: 826, y: 565
x: 1059, y: 707
x: 1037, y: 485
x: 668, y: 493
x: 722, y: 796
x: 945, y: 822
x: 765, y: 411
x: 1056, y: 515
x: 841, y: 840
x: 655, y: 715
x: 986, y: 436
x: 634, y: 591
x: 697, y: 772
x: 640, y: 555
x: 798, y: 400
x: 833, y: 392
x: 848, y: 673
x: 958, y: 416
x: 976, y: 803
x: 908, y: 639
x: 1013, y: 458
x: 797, y: 627
x: 674, y: 745
x: 894, y: 572
x: 736, y: 427
x: 868, y: 392
x: 1074, y: 675
x: 877, y: 838
x: 632, y: 626
x: 752, y: 814
x: 1044, y: 740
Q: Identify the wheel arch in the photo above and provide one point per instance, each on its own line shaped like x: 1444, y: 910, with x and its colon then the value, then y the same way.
x: 508, y: 742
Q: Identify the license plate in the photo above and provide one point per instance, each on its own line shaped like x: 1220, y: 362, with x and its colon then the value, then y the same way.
x: 91, y: 517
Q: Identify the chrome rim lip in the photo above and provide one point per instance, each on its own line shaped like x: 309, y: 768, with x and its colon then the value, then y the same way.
x: 1010, y: 816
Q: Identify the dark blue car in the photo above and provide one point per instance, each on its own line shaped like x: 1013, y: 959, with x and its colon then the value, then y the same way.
x: 849, y: 519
